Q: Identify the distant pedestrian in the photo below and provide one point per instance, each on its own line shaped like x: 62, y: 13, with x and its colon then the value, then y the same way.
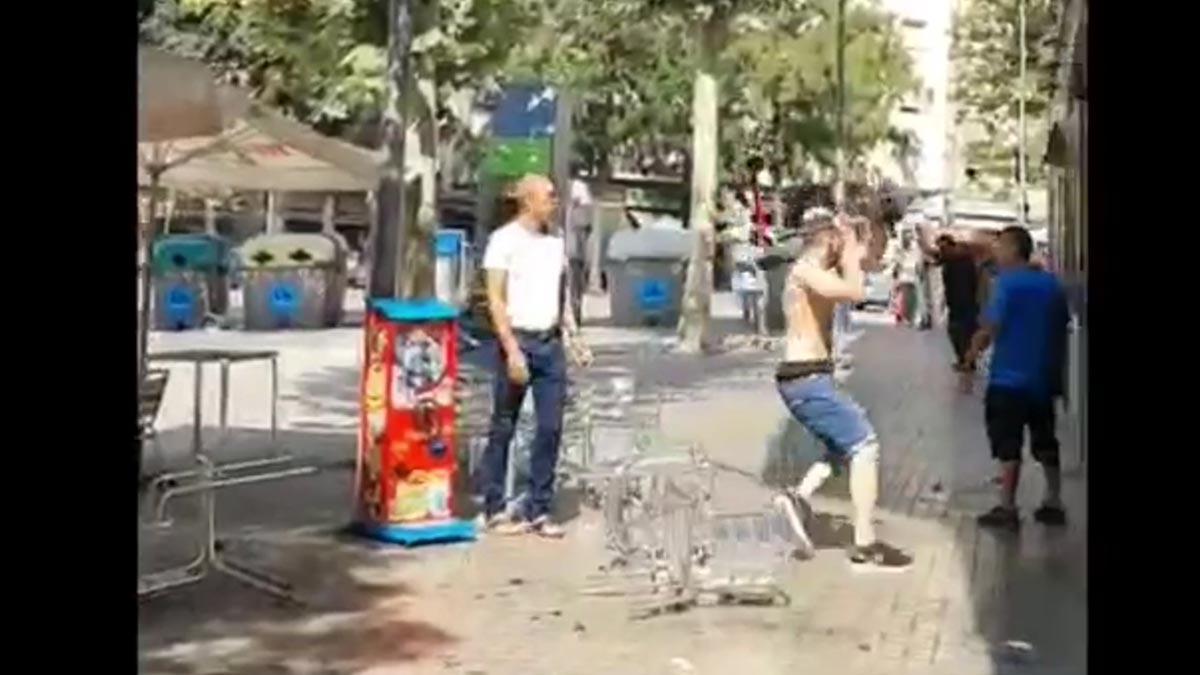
x: 1026, y: 322
x: 907, y: 276
x: 960, y: 283
x: 579, y: 217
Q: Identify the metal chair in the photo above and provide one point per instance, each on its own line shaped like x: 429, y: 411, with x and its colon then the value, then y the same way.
x: 150, y: 396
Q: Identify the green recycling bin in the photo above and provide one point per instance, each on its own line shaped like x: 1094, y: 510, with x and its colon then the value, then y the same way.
x: 190, y: 279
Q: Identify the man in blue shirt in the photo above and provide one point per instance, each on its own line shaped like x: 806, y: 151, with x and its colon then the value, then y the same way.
x: 1026, y: 323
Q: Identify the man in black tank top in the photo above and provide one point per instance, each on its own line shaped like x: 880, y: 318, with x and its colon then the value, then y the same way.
x: 960, y: 281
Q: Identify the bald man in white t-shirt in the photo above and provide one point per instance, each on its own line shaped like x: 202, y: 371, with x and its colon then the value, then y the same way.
x: 526, y: 267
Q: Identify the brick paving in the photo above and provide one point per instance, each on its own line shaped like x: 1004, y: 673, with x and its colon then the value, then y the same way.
x: 513, y: 606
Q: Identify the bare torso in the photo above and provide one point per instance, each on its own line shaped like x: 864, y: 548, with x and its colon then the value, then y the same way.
x: 809, y: 321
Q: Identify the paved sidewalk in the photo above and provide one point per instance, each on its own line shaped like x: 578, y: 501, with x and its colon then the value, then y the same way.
x: 513, y: 606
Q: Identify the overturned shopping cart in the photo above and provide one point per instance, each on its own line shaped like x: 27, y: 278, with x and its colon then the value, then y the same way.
x: 672, y: 550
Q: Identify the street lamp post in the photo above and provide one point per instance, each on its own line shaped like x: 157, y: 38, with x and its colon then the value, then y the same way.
x: 1021, y: 171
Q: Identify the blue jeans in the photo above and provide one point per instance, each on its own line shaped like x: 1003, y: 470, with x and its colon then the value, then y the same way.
x: 548, y: 379
x: 827, y: 413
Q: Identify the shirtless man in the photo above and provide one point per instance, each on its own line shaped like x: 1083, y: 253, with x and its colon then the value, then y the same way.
x: 828, y: 272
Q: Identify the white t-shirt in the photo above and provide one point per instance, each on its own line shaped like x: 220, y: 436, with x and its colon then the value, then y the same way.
x: 535, y: 264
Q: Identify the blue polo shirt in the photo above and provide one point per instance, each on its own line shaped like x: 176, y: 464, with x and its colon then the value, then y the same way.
x: 1028, y: 311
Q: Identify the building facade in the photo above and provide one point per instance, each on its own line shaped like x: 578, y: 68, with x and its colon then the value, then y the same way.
x: 928, y: 163
x: 1067, y: 158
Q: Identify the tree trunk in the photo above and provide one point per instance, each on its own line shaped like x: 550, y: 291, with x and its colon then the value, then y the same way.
x: 390, y: 198
x: 693, y: 327
x: 416, y: 274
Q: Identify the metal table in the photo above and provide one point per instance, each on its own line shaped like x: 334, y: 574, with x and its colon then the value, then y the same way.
x: 208, y: 477
x: 225, y: 358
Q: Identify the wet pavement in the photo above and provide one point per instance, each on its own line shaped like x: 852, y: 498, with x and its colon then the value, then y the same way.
x: 973, y: 603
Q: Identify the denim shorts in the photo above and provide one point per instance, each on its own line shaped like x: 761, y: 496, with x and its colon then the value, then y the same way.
x: 827, y: 413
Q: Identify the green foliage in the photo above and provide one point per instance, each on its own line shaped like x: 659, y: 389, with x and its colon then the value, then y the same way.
x: 987, y: 69
x: 324, y: 61
x: 289, y: 53
x: 630, y: 63
x: 783, y: 82
x: 629, y: 69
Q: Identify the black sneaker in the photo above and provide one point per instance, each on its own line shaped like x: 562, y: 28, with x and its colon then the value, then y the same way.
x: 1000, y: 517
x: 798, y: 515
x: 879, y: 557
x: 1050, y: 515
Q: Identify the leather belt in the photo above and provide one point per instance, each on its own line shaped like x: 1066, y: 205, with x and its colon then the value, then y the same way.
x: 794, y: 370
x: 538, y: 335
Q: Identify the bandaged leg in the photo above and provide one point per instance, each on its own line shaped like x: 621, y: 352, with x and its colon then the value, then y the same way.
x: 864, y: 490
x: 817, y: 474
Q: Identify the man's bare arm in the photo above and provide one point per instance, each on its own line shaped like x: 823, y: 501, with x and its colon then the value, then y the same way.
x: 498, y: 308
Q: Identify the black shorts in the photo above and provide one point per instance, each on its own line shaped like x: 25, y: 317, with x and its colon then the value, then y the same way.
x: 1007, y: 412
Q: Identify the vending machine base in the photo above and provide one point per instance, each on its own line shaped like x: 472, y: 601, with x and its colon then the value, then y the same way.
x: 419, y: 534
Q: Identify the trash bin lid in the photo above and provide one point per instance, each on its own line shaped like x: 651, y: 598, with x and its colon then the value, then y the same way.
x: 289, y: 249
x: 651, y: 243
x: 414, y: 310
x: 189, y: 252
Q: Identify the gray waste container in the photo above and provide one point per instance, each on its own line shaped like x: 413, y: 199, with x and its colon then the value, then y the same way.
x: 776, y: 262
x: 646, y: 271
x: 293, y: 281
x: 190, y: 275
x: 645, y: 291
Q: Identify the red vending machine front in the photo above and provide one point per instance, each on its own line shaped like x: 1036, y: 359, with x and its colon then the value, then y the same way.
x: 407, y: 446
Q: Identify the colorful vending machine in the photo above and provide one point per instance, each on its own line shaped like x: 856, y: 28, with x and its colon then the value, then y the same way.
x: 407, y: 447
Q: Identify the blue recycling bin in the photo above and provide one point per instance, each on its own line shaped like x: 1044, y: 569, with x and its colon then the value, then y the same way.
x: 190, y: 279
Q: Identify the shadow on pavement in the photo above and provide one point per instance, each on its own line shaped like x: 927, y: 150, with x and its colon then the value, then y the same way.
x: 351, y: 622
x: 354, y: 595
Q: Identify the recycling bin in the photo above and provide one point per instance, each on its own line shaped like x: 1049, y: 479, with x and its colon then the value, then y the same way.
x: 190, y: 279
x: 293, y: 281
x: 776, y: 264
x: 646, y: 271
x: 405, y: 480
